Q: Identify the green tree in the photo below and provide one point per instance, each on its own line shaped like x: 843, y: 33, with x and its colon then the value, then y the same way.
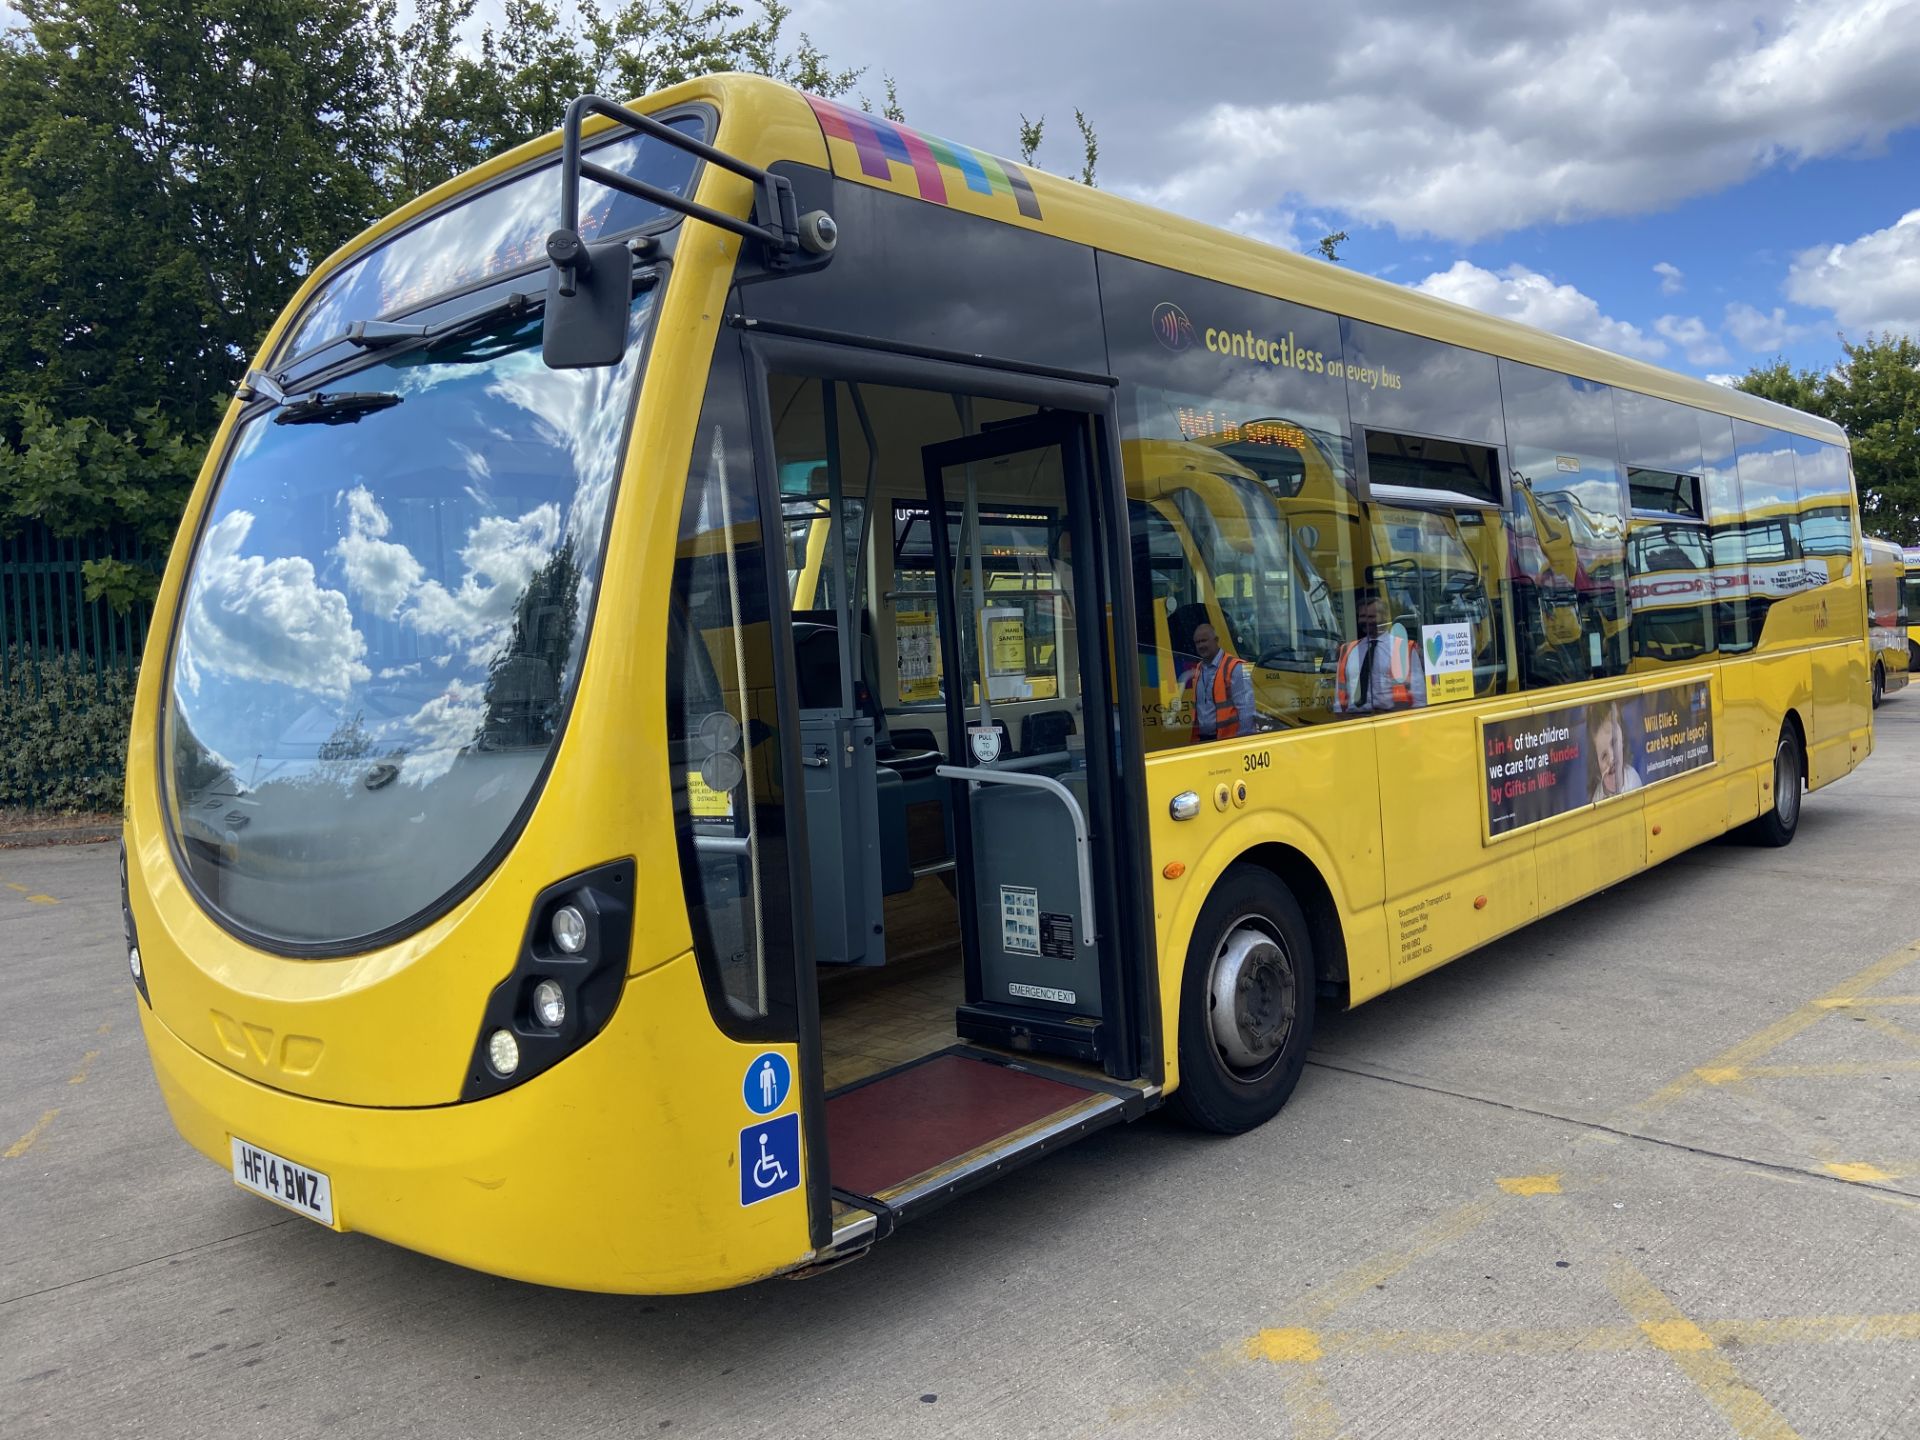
x: 1874, y: 394
x: 1033, y: 132
x: 1330, y: 245
x: 168, y: 172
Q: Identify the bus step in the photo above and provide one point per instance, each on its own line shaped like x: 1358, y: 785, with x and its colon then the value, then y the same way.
x: 914, y: 1136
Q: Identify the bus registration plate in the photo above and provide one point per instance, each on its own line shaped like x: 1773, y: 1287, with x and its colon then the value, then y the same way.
x: 305, y: 1191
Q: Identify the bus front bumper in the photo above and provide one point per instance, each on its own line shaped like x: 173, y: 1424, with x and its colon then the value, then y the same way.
x: 615, y: 1171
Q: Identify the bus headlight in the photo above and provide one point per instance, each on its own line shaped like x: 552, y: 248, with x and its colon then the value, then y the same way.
x: 549, y: 1004
x: 564, y: 984
x: 503, y: 1053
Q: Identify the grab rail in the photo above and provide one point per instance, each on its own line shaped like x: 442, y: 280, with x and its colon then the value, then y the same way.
x: 1082, y: 845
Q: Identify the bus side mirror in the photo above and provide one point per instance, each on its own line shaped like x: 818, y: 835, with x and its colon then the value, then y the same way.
x: 589, y: 292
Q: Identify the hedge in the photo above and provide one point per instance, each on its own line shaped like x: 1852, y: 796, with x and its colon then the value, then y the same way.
x: 63, y: 733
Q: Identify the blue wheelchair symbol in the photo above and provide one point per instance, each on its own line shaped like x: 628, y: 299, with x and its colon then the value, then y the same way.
x: 769, y: 1078
x: 769, y: 1159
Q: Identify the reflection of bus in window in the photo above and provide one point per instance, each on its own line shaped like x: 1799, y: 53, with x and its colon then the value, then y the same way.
x: 1888, y: 615
x: 1248, y: 574
x: 1670, y: 565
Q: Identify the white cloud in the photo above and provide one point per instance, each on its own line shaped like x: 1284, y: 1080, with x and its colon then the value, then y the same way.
x: 1722, y: 378
x: 1761, y: 332
x: 1458, y: 121
x: 1672, y: 278
x: 1872, y: 283
x: 259, y: 619
x: 1533, y: 299
x: 380, y: 572
x: 1690, y: 333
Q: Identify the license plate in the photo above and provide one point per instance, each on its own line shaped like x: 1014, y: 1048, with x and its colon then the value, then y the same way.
x: 297, y: 1187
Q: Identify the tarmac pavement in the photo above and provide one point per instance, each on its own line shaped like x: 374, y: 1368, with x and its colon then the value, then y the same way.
x: 1649, y: 1168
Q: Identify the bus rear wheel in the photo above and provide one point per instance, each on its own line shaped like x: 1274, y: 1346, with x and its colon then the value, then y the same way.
x: 1879, y: 684
x: 1778, y: 822
x: 1246, y: 1004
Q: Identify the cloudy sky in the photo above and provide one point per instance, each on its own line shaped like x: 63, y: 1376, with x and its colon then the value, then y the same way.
x: 1705, y: 185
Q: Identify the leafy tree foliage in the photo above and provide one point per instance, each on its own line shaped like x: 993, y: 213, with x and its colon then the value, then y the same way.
x: 169, y: 171
x: 1874, y: 393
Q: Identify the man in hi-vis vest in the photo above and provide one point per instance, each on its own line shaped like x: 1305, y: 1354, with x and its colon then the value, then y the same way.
x: 1220, y: 689
x: 1377, y: 671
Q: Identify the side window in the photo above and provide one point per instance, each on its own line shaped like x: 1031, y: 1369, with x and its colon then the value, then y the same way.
x: 723, y: 738
x: 1669, y: 542
x: 1769, y: 507
x: 1438, y: 561
x: 1247, y: 536
x: 1734, y: 624
x: 1570, y: 496
x: 1826, y: 501
x: 1410, y: 384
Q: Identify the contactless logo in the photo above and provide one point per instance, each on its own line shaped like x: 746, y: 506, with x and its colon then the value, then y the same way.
x: 1172, y: 326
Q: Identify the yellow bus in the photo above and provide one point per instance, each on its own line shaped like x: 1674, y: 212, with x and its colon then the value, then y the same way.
x: 1910, y: 597
x: 1888, y: 617
x: 528, y: 863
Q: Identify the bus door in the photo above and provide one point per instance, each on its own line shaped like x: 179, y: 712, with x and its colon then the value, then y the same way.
x: 1033, y: 809
x: 953, y: 557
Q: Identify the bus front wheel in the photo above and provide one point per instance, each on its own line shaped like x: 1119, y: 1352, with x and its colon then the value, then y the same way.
x: 1777, y: 823
x: 1246, y: 1004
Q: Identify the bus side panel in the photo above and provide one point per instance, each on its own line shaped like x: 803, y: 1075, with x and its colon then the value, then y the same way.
x: 1315, y: 791
x: 1444, y: 896
x: 1591, y: 849
x: 1687, y: 812
x: 1744, y: 735
x: 1842, y: 693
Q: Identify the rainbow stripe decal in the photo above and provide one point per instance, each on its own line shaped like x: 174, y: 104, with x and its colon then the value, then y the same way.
x: 880, y: 145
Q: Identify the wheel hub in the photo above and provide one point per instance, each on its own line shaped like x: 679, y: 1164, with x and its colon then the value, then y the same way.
x: 1251, y: 996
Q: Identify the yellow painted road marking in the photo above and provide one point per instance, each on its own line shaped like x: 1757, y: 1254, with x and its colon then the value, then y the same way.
x: 1292, y: 1346
x: 1670, y: 1336
x: 1834, y: 1070
x: 1863, y: 1002
x: 1859, y: 1172
x: 1887, y: 1027
x: 79, y: 1077
x: 1740, y: 1057
x: 1695, y: 1355
x: 21, y: 888
x: 1530, y: 1184
x: 25, y: 1142
x: 41, y: 900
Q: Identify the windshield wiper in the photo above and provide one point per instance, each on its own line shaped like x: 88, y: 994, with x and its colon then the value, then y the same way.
x: 342, y: 407
x: 380, y: 334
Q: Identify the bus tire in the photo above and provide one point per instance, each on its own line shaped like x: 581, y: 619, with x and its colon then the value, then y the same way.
x: 1779, y: 821
x: 1879, y: 683
x: 1252, y: 954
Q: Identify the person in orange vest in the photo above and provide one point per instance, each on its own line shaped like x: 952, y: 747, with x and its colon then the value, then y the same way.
x: 1219, y: 689
x: 1377, y: 671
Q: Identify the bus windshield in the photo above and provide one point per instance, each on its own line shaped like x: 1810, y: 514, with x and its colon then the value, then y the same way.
x: 383, y: 623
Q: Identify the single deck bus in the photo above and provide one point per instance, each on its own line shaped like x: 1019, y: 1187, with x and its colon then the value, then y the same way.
x: 1888, y: 618
x: 741, y: 669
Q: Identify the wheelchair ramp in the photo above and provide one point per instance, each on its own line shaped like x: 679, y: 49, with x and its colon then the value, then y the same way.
x: 913, y: 1136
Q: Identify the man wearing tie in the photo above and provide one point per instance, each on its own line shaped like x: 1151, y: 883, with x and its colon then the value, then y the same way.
x: 1378, y: 671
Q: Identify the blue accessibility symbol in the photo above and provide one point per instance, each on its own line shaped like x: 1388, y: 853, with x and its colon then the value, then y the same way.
x: 769, y: 1079
x: 769, y: 1159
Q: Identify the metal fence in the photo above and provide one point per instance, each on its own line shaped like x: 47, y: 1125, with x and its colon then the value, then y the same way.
x: 67, y: 671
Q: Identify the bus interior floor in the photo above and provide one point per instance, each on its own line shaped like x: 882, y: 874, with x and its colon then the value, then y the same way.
x: 872, y: 1019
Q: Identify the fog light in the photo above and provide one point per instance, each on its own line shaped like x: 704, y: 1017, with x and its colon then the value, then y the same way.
x: 503, y: 1053
x: 549, y: 1004
x: 570, y: 929
x: 133, y: 960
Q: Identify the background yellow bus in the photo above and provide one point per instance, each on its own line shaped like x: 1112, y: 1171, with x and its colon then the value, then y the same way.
x: 669, y: 757
x: 1888, y: 618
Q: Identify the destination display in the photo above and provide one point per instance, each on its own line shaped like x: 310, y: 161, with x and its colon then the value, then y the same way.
x: 1549, y: 763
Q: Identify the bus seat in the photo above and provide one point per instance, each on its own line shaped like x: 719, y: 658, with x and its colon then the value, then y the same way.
x: 1045, y: 732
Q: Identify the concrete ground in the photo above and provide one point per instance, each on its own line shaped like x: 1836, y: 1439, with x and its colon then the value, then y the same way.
x: 1650, y: 1168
